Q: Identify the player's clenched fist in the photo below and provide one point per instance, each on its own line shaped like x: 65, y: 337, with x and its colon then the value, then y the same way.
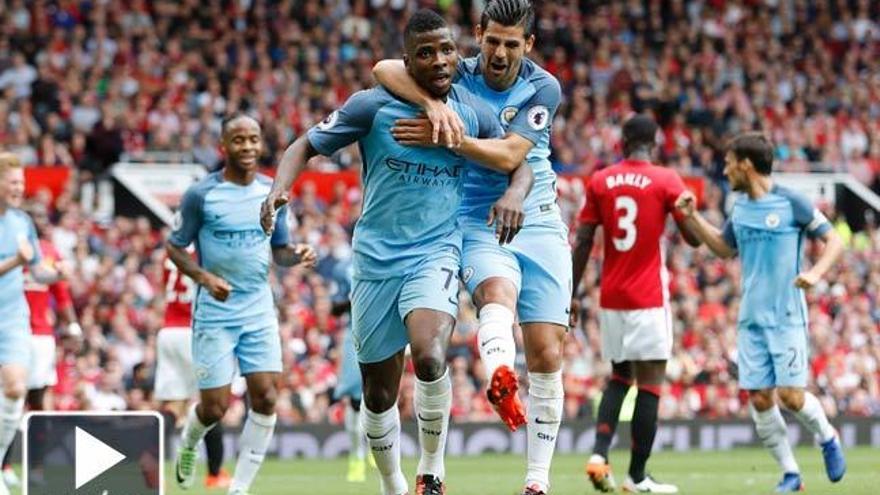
x: 307, y: 255
x: 269, y: 209
x: 217, y: 286
x: 806, y: 280
x: 686, y: 203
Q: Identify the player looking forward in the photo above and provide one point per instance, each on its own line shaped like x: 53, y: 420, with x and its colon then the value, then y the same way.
x: 630, y: 201
x: 530, y: 276
x: 234, y: 315
x: 766, y: 229
x: 407, y: 247
x: 175, y: 377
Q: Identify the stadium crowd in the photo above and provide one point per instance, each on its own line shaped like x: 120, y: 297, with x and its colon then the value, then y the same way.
x: 84, y: 82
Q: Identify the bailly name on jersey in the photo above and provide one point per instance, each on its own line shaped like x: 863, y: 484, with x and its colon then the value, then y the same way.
x: 424, y: 174
x: 635, y: 180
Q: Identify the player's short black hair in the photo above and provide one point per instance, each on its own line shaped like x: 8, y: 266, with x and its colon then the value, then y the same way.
x: 755, y: 147
x: 639, y: 132
x: 224, y: 124
x: 423, y: 21
x: 510, y: 13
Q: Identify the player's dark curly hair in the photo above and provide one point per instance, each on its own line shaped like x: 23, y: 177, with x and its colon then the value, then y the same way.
x: 639, y: 134
x: 755, y: 147
x: 423, y: 21
x: 510, y: 13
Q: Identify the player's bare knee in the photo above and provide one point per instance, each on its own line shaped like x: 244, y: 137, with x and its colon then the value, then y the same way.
x: 546, y: 357
x: 212, y: 411
x: 496, y: 290
x: 761, y: 400
x: 791, y: 398
x: 14, y: 390
x: 264, y: 403
x: 429, y: 366
x: 379, y: 399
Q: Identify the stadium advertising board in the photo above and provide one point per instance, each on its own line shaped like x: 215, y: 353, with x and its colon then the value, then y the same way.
x: 326, y: 441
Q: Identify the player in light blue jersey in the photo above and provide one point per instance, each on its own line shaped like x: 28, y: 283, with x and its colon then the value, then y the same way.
x: 349, y: 384
x: 407, y: 247
x: 18, y: 247
x: 531, y: 276
x: 234, y: 318
x: 767, y: 229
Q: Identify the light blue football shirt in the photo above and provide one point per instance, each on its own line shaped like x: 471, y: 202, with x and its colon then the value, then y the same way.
x: 223, y: 220
x: 14, y: 311
x: 526, y: 108
x: 411, y: 194
x: 769, y: 235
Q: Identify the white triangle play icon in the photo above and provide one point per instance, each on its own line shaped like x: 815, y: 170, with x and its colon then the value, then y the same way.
x: 93, y: 457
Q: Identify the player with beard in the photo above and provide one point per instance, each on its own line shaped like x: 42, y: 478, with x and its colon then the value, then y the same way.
x: 407, y: 246
x: 529, y: 277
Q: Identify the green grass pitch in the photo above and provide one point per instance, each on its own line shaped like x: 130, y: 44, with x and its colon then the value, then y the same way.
x: 740, y: 471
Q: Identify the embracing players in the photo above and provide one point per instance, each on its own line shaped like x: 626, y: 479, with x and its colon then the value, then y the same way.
x: 630, y: 201
x: 766, y: 229
x: 407, y: 246
x: 530, y: 276
x: 234, y: 321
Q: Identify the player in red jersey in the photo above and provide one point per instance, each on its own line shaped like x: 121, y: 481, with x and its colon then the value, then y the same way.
x: 630, y: 201
x: 175, y: 377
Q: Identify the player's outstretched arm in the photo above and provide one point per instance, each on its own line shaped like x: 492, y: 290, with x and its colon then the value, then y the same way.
x: 217, y: 286
x: 580, y: 254
x: 293, y: 162
x: 445, y: 123
x: 830, y: 254
x: 689, y: 237
x: 701, y: 228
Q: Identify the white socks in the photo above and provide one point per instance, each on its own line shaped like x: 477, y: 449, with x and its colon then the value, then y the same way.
x: 383, y: 436
x: 770, y: 427
x: 812, y: 416
x: 433, y: 402
x: 10, y: 419
x: 193, y: 429
x: 495, y: 338
x: 254, y: 441
x: 355, y: 434
x: 546, y: 396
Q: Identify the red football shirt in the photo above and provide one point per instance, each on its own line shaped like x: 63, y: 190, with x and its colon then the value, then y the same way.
x: 38, y: 295
x: 630, y: 200
x: 179, y: 293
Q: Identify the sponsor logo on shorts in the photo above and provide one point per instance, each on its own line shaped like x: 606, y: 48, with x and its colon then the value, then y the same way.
x: 467, y: 274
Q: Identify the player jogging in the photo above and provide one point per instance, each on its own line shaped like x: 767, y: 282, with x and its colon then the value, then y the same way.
x: 175, y: 377
x: 18, y: 247
x: 630, y: 201
x: 406, y: 247
x: 766, y: 228
x: 234, y: 317
x: 531, y: 276
x: 349, y: 384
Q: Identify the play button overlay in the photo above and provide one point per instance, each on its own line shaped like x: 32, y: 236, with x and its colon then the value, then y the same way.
x: 93, y: 457
x: 85, y: 453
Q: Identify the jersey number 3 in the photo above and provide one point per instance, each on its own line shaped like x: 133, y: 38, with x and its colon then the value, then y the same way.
x: 626, y: 222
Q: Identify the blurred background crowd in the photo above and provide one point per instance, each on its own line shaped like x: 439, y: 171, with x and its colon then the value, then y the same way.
x: 84, y: 84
